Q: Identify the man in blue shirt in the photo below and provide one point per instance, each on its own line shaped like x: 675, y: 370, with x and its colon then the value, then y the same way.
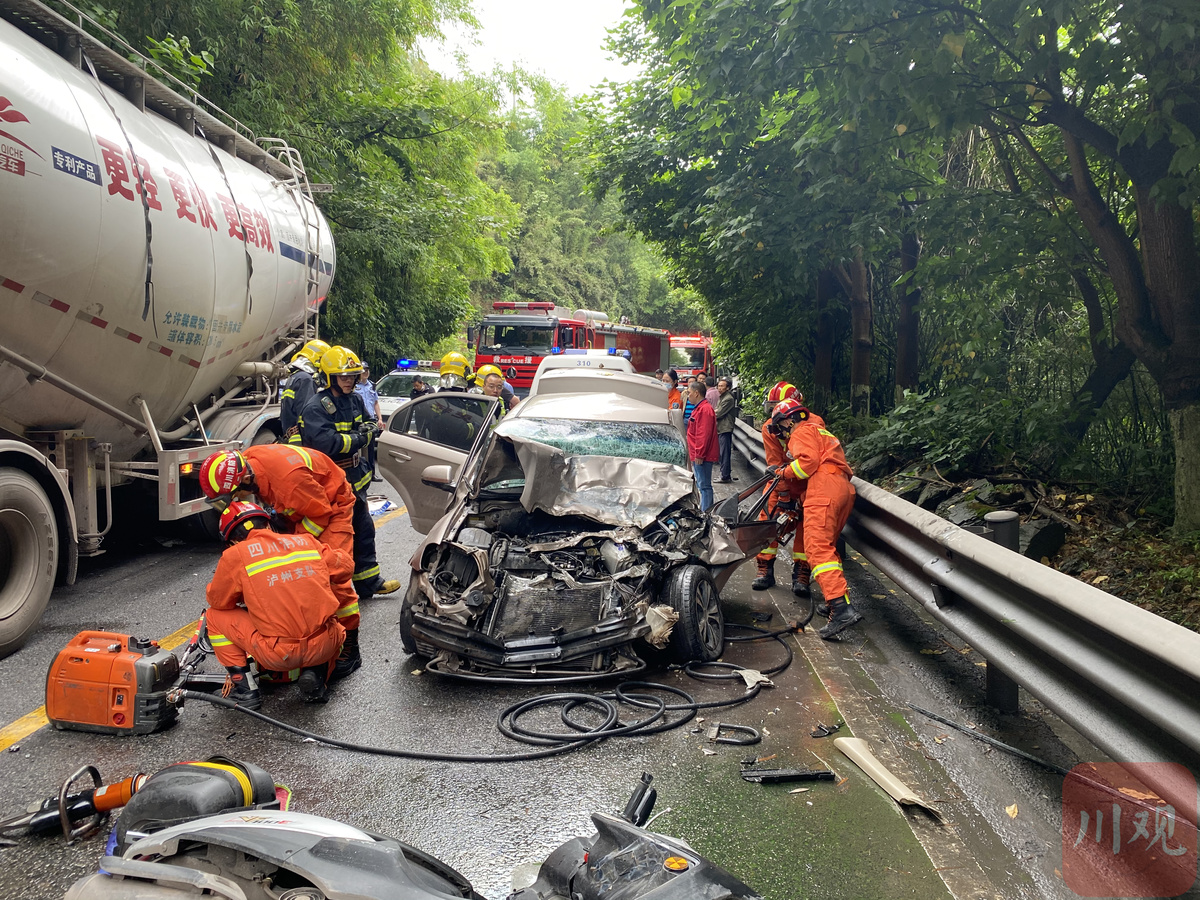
x: 370, y: 398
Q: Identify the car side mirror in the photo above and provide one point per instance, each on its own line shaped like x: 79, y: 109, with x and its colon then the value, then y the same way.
x: 470, y: 335
x: 440, y: 477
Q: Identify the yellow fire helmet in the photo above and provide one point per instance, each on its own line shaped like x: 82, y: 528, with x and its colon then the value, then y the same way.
x: 454, y: 363
x: 340, y: 361
x: 485, y: 371
x: 311, y: 354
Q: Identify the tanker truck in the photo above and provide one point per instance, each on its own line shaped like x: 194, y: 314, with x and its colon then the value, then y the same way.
x: 158, y: 267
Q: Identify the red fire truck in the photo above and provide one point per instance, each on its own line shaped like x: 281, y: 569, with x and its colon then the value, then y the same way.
x: 691, y: 354
x: 518, y: 336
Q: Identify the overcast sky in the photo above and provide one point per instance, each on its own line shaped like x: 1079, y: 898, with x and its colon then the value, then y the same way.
x: 564, y: 39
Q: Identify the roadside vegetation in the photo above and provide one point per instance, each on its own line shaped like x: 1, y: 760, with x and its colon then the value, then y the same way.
x: 966, y: 232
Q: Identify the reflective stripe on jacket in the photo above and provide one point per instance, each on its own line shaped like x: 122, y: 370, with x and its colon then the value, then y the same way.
x: 304, y: 486
x: 283, y: 580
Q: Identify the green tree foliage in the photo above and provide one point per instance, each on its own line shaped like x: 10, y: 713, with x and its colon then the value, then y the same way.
x: 1046, y: 156
x: 340, y: 81
x: 570, y: 248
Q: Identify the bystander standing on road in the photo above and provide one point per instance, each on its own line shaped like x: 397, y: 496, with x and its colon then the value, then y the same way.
x: 726, y: 407
x: 711, y: 394
x: 370, y: 398
x: 674, y: 398
x: 689, y: 404
x: 702, y: 443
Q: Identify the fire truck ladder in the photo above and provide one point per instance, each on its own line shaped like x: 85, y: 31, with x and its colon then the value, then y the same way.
x: 302, y: 192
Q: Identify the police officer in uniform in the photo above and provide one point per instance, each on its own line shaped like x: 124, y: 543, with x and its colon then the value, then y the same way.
x: 336, y: 422
x: 299, y: 388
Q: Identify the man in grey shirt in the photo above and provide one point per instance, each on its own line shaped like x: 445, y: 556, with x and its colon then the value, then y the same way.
x: 726, y: 414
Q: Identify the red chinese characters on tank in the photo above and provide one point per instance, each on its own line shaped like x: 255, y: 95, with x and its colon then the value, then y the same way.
x: 122, y: 170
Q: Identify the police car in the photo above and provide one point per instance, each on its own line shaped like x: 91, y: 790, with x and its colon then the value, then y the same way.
x: 395, y: 387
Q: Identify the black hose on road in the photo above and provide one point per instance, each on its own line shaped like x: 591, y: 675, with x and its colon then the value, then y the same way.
x: 579, y: 734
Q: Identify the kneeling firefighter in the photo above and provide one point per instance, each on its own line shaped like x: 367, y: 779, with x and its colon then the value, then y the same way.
x: 336, y: 423
x: 307, y: 492
x: 273, y: 598
x: 818, y: 472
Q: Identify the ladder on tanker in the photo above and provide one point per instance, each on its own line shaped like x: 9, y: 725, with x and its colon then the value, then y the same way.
x: 299, y: 184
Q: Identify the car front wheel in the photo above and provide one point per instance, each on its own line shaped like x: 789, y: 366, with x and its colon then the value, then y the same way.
x: 699, y: 635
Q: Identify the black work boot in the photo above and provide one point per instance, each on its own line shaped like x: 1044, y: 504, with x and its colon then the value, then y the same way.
x: 823, y: 609
x: 312, y: 683
x: 801, y: 575
x: 349, y: 659
x: 766, y: 575
x: 241, y: 687
x: 841, y: 617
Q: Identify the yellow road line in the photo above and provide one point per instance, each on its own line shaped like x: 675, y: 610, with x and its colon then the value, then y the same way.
x: 23, y: 727
x: 180, y: 636
x: 387, y: 517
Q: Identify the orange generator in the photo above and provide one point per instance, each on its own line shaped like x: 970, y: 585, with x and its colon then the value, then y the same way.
x: 112, y: 684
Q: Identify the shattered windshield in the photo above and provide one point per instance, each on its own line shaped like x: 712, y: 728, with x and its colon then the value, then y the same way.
x: 653, y: 442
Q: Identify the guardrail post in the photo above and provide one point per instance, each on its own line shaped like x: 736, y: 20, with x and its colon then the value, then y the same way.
x: 1002, y: 692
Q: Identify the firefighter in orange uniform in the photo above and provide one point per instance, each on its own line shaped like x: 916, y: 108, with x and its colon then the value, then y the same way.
x: 818, y: 471
x: 775, y: 449
x: 309, y: 492
x: 275, y: 597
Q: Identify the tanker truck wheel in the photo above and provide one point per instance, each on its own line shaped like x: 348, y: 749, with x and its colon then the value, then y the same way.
x: 28, y: 556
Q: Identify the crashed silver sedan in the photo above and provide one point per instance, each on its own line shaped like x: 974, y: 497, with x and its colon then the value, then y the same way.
x: 571, y: 544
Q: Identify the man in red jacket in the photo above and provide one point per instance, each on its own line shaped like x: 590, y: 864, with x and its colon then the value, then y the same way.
x: 702, y: 443
x: 818, y: 471
x: 273, y: 596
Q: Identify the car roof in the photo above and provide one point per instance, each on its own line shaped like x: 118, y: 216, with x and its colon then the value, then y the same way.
x: 592, y: 406
x: 587, y: 380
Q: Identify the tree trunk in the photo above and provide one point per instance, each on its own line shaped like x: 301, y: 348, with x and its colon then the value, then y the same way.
x: 1112, y: 363
x: 907, y: 362
x: 1157, y: 282
x: 856, y: 282
x: 822, y: 387
x: 1112, y: 367
x: 1185, y: 428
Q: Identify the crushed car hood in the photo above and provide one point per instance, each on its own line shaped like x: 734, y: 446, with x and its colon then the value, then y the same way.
x: 607, y: 489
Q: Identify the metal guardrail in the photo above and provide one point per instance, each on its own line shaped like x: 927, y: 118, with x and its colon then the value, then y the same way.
x: 1123, y: 677
x: 749, y: 444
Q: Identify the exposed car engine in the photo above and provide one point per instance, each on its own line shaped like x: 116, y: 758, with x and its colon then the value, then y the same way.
x: 514, y: 575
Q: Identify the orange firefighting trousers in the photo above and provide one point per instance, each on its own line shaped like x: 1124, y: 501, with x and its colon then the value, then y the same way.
x: 235, y: 637
x: 828, y: 499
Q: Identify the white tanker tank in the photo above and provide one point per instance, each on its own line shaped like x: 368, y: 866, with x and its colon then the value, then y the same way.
x: 156, y: 264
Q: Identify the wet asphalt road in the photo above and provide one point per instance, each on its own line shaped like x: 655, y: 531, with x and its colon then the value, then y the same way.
x: 489, y: 820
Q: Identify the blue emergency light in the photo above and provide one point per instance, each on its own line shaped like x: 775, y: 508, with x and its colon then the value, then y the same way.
x: 554, y: 351
x: 405, y: 363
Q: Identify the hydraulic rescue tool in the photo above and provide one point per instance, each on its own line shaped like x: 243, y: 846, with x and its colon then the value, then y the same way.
x: 63, y: 810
